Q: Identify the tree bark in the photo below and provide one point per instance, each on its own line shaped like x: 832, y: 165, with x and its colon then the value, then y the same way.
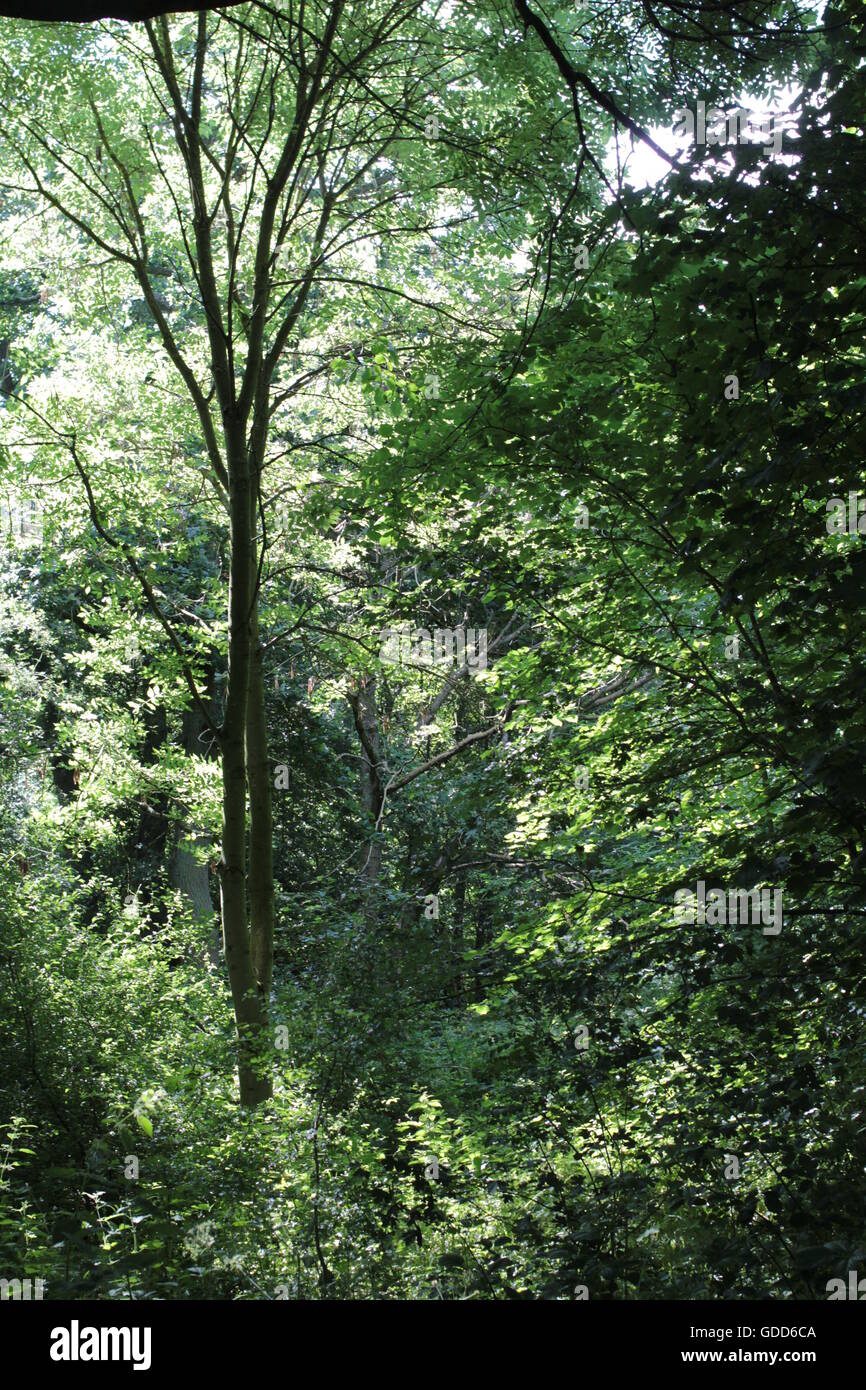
x: 186, y: 873
x: 459, y: 918
x: 250, y: 1005
x: 261, y: 864
x: 366, y: 717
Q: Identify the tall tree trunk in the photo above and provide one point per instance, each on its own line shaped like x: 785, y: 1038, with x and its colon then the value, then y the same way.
x: 250, y: 1005
x: 261, y: 869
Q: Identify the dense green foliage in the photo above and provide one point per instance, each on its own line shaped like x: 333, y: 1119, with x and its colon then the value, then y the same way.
x: 503, y: 1068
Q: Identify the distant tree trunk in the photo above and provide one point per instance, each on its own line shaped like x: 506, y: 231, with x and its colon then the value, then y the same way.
x: 62, y: 771
x: 481, y: 936
x: 459, y: 918
x: 153, y: 811
x: 186, y: 873
x: 366, y: 716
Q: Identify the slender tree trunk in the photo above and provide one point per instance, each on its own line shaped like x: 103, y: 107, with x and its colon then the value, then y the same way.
x: 186, y: 873
x: 62, y: 771
x: 481, y: 935
x: 261, y: 868
x: 366, y: 716
x: 459, y: 918
x: 254, y: 1065
x: 153, y: 813
x: 460, y: 731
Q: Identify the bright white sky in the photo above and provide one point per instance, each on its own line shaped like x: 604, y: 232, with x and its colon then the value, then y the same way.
x: 644, y: 168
